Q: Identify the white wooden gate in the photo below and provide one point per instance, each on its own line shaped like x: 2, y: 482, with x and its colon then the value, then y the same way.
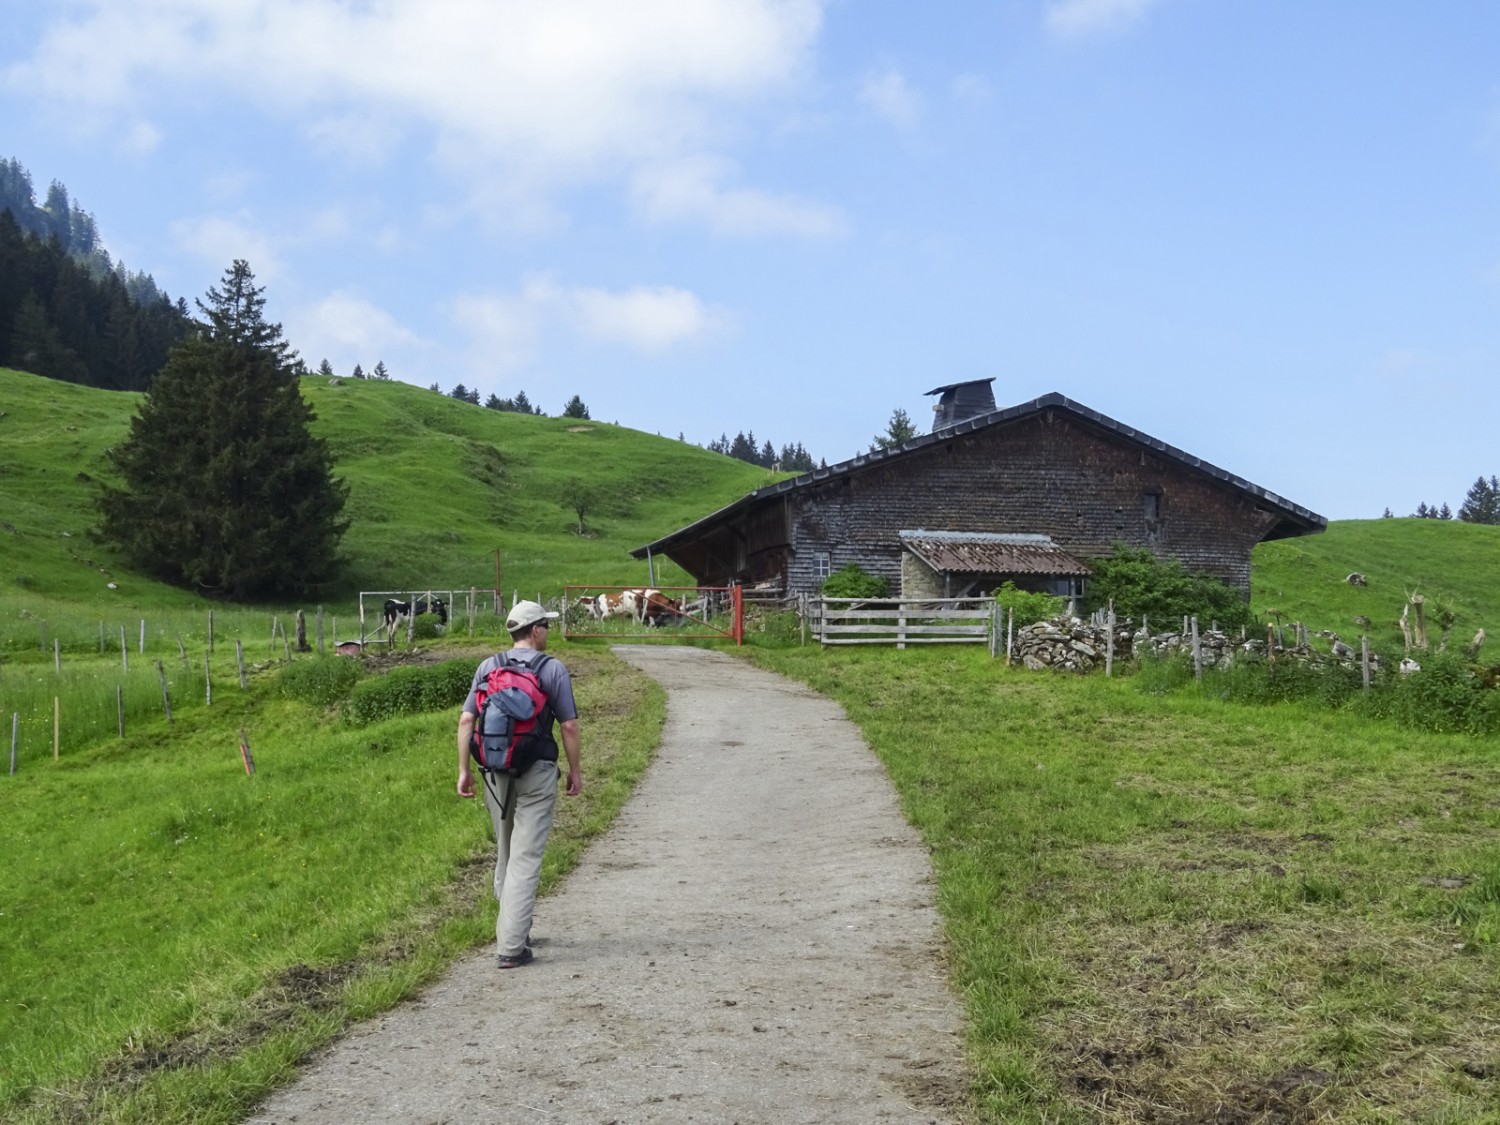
x: 902, y: 622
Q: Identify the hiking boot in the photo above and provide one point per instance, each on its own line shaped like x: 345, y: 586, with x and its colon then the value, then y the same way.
x: 515, y: 960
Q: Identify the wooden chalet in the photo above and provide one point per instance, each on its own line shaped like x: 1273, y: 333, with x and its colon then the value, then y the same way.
x: 1027, y: 493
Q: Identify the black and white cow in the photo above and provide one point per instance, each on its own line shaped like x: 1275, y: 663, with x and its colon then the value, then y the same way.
x: 397, y: 612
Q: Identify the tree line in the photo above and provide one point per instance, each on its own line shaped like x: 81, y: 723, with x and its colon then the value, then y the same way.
x: 1481, y: 505
x: 60, y: 320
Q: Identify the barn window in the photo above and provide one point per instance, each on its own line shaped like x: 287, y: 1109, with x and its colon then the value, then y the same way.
x: 822, y: 564
x: 1151, y: 502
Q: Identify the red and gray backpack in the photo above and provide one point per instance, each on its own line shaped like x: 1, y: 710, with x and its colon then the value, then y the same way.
x: 513, y: 728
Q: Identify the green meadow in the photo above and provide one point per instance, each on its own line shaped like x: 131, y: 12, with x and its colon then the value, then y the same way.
x: 1159, y: 905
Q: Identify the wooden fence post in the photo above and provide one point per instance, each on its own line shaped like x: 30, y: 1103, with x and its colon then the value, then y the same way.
x: 101, y: 638
x: 239, y: 655
x: 301, y: 631
x: 143, y: 637
x: 1010, y: 633
x: 120, y: 707
x: 56, y: 727
x: 273, y: 634
x: 1109, y: 644
x: 1197, y: 653
x: 320, y: 630
x: 15, y: 730
x: 166, y: 702
x: 245, y: 754
x: 56, y: 655
x: 124, y: 652
x: 208, y: 684
x: 182, y: 651
x: 1364, y: 658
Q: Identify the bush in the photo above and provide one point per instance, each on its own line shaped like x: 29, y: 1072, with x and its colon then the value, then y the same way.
x: 1029, y: 608
x: 1143, y: 586
x: 1445, y: 695
x: 321, y: 682
x: 410, y: 691
x: 852, y: 582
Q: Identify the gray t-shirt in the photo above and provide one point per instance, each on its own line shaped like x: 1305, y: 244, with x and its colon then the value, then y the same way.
x: 553, y: 675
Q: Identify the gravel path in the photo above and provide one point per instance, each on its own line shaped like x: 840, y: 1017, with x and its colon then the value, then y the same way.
x: 753, y: 941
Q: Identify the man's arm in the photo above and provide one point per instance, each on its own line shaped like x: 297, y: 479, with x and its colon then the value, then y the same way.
x: 570, y: 747
x: 465, y: 737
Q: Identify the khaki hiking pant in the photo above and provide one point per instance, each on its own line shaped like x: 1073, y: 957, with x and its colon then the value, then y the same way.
x: 521, y: 838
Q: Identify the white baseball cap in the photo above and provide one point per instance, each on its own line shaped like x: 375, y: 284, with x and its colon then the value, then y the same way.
x: 523, y: 614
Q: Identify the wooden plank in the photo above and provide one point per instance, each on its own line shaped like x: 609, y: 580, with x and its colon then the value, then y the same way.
x: 897, y: 615
x: 909, y: 640
x: 898, y: 630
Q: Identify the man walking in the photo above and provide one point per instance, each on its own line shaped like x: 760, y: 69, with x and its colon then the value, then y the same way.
x: 521, y: 808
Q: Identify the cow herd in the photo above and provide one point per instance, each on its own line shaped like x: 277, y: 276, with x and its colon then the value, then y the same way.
x: 642, y: 605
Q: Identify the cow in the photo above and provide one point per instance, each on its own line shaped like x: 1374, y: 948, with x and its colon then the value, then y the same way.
x: 642, y: 605
x: 396, y: 612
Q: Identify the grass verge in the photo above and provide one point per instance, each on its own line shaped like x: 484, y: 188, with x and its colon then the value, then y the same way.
x: 1175, y: 909
x: 178, y: 935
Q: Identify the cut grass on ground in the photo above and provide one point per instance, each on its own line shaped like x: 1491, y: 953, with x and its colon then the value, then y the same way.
x: 1175, y: 910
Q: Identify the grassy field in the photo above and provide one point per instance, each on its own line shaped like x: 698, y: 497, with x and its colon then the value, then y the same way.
x: 1453, y: 564
x: 1171, y: 909
x: 177, y: 934
x: 436, y: 486
x: 1160, y: 907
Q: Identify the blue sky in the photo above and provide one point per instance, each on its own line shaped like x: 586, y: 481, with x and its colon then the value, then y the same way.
x: 1267, y: 232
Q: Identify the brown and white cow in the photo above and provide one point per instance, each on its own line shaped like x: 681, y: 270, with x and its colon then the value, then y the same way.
x: 642, y: 605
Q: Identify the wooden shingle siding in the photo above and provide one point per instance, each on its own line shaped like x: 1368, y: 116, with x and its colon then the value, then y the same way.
x: 1049, y: 467
x: 1050, y: 474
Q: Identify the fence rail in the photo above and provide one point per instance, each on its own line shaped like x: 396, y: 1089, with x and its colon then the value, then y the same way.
x: 871, y: 621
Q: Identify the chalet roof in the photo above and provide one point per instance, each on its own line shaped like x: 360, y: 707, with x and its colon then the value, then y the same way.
x: 977, y: 552
x: 1297, y: 520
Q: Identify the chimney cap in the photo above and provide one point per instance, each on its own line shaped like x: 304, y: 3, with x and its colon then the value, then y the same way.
x: 955, y: 386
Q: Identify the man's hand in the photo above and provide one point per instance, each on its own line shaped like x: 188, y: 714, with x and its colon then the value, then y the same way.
x: 575, y: 783
x: 465, y: 782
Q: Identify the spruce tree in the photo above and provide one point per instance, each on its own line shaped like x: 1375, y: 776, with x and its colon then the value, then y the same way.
x: 358, y: 372
x: 899, y: 430
x: 1482, y: 502
x: 575, y: 409
x: 459, y: 392
x: 223, y: 486
x: 325, y: 368
x: 380, y: 371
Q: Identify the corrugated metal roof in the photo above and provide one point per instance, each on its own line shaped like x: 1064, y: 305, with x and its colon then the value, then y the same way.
x: 977, y: 552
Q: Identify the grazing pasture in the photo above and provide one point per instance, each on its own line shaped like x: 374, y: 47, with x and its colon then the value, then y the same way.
x: 1175, y: 909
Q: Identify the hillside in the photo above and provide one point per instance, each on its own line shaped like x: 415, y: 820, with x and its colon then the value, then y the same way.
x: 1453, y: 564
x: 436, y: 485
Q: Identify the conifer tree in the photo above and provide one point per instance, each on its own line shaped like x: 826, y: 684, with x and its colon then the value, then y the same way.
x: 899, y: 430
x: 380, y: 371
x: 522, y: 405
x: 459, y: 392
x: 223, y: 485
x: 1482, y: 502
x: 495, y: 402
x: 325, y: 368
x: 575, y: 409
x: 358, y: 372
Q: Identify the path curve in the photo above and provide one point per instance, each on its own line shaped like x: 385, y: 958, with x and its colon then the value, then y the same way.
x: 753, y: 941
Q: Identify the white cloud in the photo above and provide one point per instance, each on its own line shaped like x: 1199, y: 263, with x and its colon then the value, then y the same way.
x: 890, y: 95
x: 1070, y: 18
x: 343, y: 324
x: 508, y: 330
x: 218, y: 241
x: 650, y: 319
x: 693, y: 189
x: 544, y: 95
